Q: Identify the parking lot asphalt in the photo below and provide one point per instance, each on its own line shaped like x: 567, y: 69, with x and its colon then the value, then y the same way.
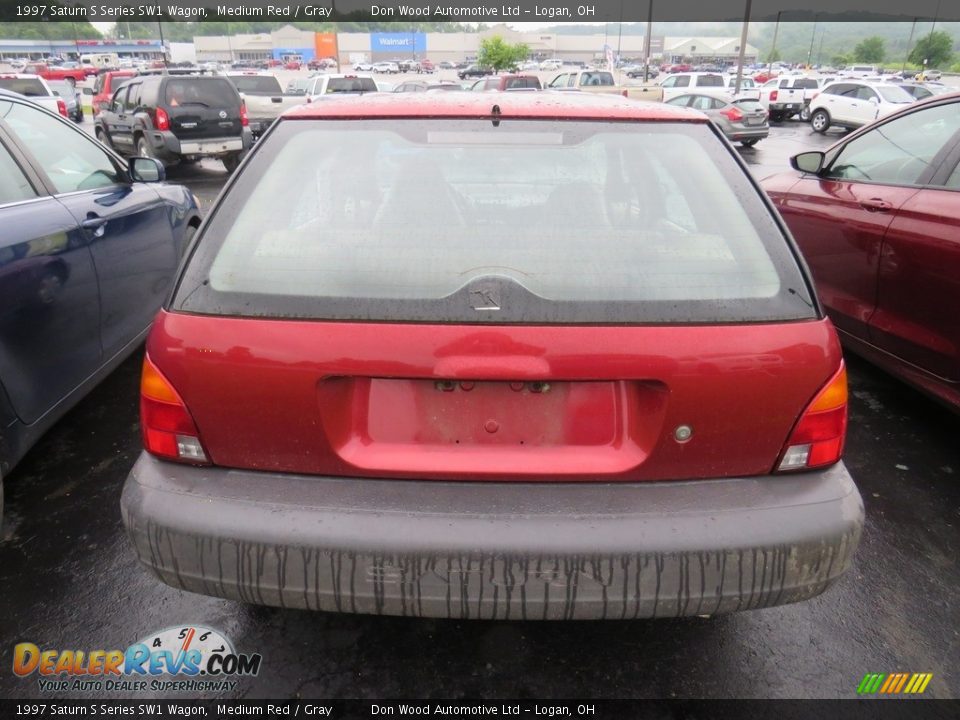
x: 69, y: 578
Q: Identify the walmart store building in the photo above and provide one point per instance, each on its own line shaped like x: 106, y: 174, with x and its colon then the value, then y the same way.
x: 289, y: 43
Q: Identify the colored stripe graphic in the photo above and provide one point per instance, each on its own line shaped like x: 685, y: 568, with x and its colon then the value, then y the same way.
x: 894, y: 683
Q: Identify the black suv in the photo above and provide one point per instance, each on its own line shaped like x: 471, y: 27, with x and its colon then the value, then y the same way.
x: 174, y: 117
x: 473, y: 71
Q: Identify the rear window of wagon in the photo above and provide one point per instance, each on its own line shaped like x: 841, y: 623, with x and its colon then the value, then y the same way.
x: 520, y: 222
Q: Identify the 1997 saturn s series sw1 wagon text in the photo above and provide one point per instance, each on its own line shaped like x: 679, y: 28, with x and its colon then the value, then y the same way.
x: 528, y: 356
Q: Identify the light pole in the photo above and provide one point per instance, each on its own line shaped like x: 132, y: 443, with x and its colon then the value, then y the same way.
x: 903, y: 68
x: 163, y: 45
x: 646, y: 43
x: 619, y: 31
x: 743, y: 46
x: 813, y: 36
x: 773, y: 48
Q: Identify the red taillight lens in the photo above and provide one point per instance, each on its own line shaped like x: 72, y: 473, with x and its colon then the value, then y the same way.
x: 817, y: 439
x: 168, y: 430
x: 161, y: 121
x: 244, y: 120
x: 732, y: 113
x: 62, y: 107
x: 773, y: 96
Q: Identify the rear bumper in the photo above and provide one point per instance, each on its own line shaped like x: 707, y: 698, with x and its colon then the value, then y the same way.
x: 168, y: 146
x: 493, y: 550
x: 748, y: 133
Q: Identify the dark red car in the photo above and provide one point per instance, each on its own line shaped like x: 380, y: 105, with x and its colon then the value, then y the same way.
x: 532, y: 356
x: 877, y: 217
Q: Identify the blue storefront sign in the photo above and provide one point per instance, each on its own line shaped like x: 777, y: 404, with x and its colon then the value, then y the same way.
x: 398, y: 43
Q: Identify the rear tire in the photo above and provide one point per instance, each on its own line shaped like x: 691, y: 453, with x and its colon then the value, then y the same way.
x: 820, y: 121
x: 231, y: 162
x: 750, y: 143
x: 102, y: 136
x: 805, y: 114
x: 776, y: 116
x: 143, y: 147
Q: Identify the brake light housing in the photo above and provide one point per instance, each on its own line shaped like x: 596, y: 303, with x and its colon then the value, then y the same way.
x: 734, y: 114
x: 773, y: 96
x: 166, y: 425
x: 244, y: 118
x: 61, y: 107
x: 161, y: 121
x: 818, y: 437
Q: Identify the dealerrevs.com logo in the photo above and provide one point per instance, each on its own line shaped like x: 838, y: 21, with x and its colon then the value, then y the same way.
x: 189, y: 659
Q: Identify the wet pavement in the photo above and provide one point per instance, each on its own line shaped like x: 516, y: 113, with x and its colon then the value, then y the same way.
x: 69, y: 578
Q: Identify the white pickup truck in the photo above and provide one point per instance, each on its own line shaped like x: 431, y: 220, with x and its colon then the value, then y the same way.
x: 320, y: 86
x: 601, y: 81
x: 696, y: 83
x: 264, y: 99
x: 784, y: 97
x: 35, y: 88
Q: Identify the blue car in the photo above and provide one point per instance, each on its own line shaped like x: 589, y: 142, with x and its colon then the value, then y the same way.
x: 89, y: 246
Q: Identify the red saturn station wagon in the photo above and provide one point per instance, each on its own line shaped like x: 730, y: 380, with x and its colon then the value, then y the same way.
x: 534, y: 356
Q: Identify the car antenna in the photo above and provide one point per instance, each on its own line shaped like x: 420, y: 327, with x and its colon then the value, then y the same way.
x: 495, y: 111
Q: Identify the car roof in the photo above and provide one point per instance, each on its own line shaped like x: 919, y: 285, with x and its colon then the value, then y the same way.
x: 556, y: 105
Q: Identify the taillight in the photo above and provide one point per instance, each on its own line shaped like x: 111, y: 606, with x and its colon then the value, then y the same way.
x: 773, y: 96
x: 61, y: 107
x: 161, y: 121
x: 244, y: 120
x: 732, y: 113
x: 625, y: 93
x: 165, y: 423
x: 817, y: 439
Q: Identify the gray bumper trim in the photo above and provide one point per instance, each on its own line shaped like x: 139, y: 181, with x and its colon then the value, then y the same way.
x: 493, y: 550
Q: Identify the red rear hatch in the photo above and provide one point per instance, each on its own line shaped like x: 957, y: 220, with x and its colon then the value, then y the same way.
x: 503, y: 402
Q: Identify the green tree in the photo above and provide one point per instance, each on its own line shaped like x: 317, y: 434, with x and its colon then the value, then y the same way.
x: 499, y: 54
x: 773, y: 56
x: 936, y: 48
x: 49, y: 31
x: 870, y: 50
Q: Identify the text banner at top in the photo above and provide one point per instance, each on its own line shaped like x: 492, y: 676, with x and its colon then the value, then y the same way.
x: 540, y: 11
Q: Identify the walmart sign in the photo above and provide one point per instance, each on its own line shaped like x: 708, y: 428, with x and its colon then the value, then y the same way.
x: 400, y: 43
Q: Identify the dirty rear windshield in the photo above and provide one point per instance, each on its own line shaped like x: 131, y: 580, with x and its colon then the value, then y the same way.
x: 256, y: 84
x: 597, y: 78
x: 208, y: 92
x: 474, y: 222
x: 30, y: 87
x: 351, y: 85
